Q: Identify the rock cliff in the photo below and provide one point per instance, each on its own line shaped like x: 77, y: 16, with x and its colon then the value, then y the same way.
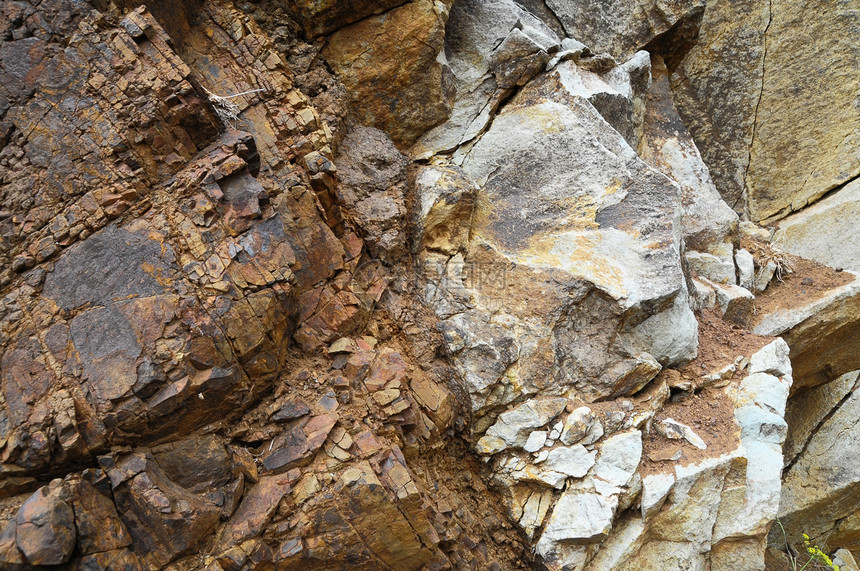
x: 428, y: 284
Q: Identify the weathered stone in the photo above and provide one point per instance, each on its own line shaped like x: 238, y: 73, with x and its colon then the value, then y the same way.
x: 717, y: 87
x: 486, y: 65
x: 804, y: 415
x: 392, y: 69
x: 257, y: 507
x: 667, y: 146
x: 621, y: 28
x: 45, y: 526
x: 824, y: 231
x: 619, y: 458
x: 574, y: 461
x: 822, y: 137
x: 99, y: 527
x: 821, y: 486
x: 320, y: 17
x: 514, y: 426
x: 746, y: 269
x: 675, y: 430
x: 372, y: 173
x: 816, y: 333
x: 165, y: 520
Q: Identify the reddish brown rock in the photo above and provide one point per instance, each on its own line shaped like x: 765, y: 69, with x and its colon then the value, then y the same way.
x: 45, y: 524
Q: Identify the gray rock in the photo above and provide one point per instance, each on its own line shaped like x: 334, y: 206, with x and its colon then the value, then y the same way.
x: 709, y: 223
x: 773, y: 358
x: 825, y: 231
x: 718, y: 268
x: 514, y: 426
x: 620, y: 28
x: 578, y: 517
x: 672, y: 429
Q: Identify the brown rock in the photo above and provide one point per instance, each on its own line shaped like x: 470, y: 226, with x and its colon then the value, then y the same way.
x: 320, y: 17
x: 257, y: 507
x: 99, y: 526
x: 46, y: 526
x: 164, y: 520
x: 389, y: 65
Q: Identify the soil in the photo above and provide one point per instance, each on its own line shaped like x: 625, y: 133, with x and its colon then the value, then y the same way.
x: 720, y: 344
x: 708, y: 411
x: 807, y: 282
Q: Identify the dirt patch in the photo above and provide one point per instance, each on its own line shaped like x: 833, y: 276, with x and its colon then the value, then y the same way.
x: 720, y: 344
x: 807, y: 281
x: 710, y: 413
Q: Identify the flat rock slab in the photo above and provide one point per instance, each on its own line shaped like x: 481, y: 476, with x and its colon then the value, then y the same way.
x: 823, y: 334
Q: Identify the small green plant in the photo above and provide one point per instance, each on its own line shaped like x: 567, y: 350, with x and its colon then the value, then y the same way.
x: 813, y: 551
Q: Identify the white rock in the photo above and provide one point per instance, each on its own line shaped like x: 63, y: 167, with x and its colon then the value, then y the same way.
x: 672, y: 429
x: 573, y: 461
x: 763, y: 390
x: 619, y: 458
x: 514, y: 426
x: 717, y: 268
x: 760, y: 425
x: 772, y: 358
x: 577, y: 425
x: 825, y: 231
x: 655, y: 490
x: 536, y: 441
x: 746, y: 269
x: 584, y: 517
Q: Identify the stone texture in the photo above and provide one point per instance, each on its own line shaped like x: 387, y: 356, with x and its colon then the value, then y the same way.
x: 391, y: 66
x: 821, y: 485
x: 621, y: 28
x: 717, y: 87
x: 824, y: 231
x: 822, y: 137
x: 708, y: 221
x: 817, y: 334
x: 491, y: 47
x: 320, y: 17
x: 45, y: 526
x: 506, y: 239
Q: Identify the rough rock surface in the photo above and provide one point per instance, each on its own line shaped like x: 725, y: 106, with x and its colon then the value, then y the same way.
x: 737, y: 90
x: 422, y: 285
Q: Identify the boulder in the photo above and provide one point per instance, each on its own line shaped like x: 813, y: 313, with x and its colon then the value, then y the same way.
x: 394, y: 69
x: 492, y: 47
x: 543, y: 275
x: 45, y: 526
x: 819, y: 334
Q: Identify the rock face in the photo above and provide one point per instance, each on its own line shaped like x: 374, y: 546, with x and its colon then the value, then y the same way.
x: 394, y: 68
x: 621, y: 28
x: 425, y: 285
x: 820, y: 231
x: 737, y: 87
